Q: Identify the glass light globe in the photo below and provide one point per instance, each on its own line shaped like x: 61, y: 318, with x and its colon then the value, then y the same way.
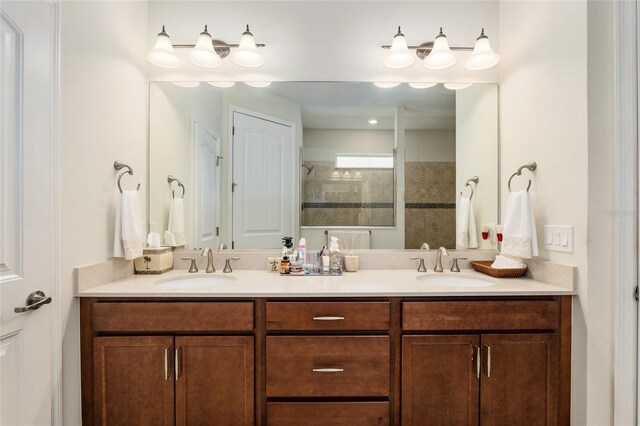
x: 246, y: 55
x: 186, y: 83
x: 421, y: 85
x: 162, y: 54
x: 203, y: 54
x: 456, y: 86
x: 400, y: 56
x: 386, y: 85
x: 222, y: 83
x: 441, y: 57
x: 483, y: 57
x: 258, y: 83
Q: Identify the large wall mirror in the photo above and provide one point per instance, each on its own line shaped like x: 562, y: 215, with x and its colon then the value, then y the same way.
x: 381, y: 168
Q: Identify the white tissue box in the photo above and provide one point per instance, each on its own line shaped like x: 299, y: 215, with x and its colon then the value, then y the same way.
x: 154, y: 261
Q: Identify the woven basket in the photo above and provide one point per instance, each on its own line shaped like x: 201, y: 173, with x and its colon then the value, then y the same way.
x: 484, y: 266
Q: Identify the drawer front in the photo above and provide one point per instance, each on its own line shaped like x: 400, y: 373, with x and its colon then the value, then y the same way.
x: 173, y: 316
x: 327, y: 413
x: 327, y: 366
x: 481, y: 315
x: 327, y: 316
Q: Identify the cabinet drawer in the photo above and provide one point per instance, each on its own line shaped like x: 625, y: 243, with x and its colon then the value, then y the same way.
x: 327, y: 366
x: 327, y: 315
x: 481, y: 315
x: 327, y: 413
x: 173, y: 316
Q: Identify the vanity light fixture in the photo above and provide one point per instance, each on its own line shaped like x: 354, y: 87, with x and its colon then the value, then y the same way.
x: 400, y: 56
x: 422, y: 85
x: 186, y: 83
x: 438, y: 55
x: 373, y: 121
x: 163, y: 55
x: 386, y: 85
x: 456, y: 86
x: 223, y: 84
x: 207, y: 52
x: 258, y: 83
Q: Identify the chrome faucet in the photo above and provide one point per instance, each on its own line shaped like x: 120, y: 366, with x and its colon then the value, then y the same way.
x: 192, y: 267
x: 227, y: 264
x: 439, y: 254
x: 207, y: 252
x: 421, y: 267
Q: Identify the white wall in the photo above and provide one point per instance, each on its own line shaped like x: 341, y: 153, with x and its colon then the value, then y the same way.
x: 171, y: 145
x: 477, y: 152
x: 543, y: 118
x: 103, y: 118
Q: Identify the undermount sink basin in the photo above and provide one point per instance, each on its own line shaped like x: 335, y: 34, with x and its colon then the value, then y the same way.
x: 456, y: 281
x: 195, y: 281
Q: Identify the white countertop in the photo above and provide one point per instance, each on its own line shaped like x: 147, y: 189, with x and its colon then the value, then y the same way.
x: 364, y: 283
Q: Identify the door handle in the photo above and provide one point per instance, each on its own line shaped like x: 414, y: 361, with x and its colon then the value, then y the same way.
x: 478, y: 357
x: 328, y: 369
x: 34, y: 301
x: 176, y: 366
x: 488, y: 360
x: 328, y: 318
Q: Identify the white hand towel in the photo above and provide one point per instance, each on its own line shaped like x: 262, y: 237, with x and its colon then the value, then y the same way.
x: 176, y: 220
x: 519, y: 233
x: 466, y: 232
x: 129, y: 237
x: 503, y: 262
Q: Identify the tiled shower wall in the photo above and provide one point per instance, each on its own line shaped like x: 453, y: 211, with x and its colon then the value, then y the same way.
x: 430, y: 204
x: 346, y: 197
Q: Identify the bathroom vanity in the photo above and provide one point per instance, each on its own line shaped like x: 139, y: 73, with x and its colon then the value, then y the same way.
x: 339, y: 354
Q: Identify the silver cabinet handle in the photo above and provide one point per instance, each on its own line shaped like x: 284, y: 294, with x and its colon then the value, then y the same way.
x: 478, y: 356
x: 336, y: 369
x: 177, y: 362
x: 328, y: 318
x: 488, y: 360
x: 34, y: 301
x: 166, y: 363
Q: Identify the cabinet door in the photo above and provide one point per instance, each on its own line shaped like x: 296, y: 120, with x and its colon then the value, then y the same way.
x: 519, y: 385
x: 214, y: 381
x: 133, y: 381
x: 440, y: 380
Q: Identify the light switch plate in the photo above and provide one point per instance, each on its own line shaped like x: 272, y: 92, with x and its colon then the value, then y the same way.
x: 558, y: 238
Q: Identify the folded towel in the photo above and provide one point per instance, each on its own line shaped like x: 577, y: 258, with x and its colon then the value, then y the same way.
x: 168, y: 239
x: 466, y: 232
x: 519, y: 234
x: 129, y: 236
x: 176, y: 221
x: 503, y: 262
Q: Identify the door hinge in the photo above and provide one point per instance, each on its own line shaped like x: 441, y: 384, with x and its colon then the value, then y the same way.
x: 635, y: 293
x: 233, y: 130
x: 217, y: 231
x: 233, y: 187
x: 233, y: 245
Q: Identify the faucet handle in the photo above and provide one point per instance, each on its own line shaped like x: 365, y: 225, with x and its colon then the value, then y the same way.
x: 227, y: 264
x: 454, y: 264
x: 192, y: 268
x: 421, y: 267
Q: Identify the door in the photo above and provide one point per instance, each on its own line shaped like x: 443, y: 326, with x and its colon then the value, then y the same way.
x: 207, y: 186
x: 133, y: 379
x: 215, y: 381
x: 440, y: 380
x: 519, y: 385
x: 27, y: 210
x: 262, y: 182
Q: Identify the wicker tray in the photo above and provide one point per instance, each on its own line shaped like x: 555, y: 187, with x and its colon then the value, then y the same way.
x: 484, y: 266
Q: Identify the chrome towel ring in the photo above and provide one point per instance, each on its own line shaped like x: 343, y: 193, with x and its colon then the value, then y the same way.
x: 173, y: 179
x: 475, y: 180
x: 119, y: 166
x: 529, y: 166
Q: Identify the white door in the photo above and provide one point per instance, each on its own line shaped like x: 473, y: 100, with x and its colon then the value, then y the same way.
x: 207, y: 186
x: 27, y: 209
x: 262, y: 183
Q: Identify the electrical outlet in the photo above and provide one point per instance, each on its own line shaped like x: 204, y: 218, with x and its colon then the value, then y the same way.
x: 558, y: 238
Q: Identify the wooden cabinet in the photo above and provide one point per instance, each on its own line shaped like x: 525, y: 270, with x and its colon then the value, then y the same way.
x: 328, y: 413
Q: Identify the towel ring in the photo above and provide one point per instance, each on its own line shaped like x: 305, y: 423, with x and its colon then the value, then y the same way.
x: 474, y: 179
x: 173, y: 179
x: 529, y: 166
x: 119, y: 166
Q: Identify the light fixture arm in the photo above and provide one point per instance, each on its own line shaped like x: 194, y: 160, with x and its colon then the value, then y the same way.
x: 222, y: 49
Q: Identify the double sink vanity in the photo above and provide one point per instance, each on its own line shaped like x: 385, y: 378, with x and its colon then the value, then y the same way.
x: 375, y: 347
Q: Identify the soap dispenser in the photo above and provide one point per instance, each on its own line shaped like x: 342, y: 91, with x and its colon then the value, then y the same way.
x: 335, y: 258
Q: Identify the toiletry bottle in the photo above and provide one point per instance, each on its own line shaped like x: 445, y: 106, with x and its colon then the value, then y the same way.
x: 284, y: 265
x: 302, y: 250
x: 287, y: 246
x: 335, y: 263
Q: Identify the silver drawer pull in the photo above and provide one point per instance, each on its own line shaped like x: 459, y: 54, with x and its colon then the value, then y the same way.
x: 336, y: 369
x: 328, y: 318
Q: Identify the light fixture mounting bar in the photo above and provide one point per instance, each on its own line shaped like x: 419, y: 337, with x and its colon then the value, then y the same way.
x: 222, y: 49
x: 424, y: 49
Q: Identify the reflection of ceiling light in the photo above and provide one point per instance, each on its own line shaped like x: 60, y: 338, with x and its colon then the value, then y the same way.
x: 186, y: 83
x: 357, y: 175
x: 162, y: 54
x: 441, y: 56
x: 483, y: 57
x: 258, y: 83
x: 373, y: 121
x: 385, y: 85
x: 456, y: 86
x: 422, y: 85
x: 247, y: 53
x: 400, y: 56
x: 222, y: 83
x: 203, y: 54
x: 336, y: 174
x: 346, y: 174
